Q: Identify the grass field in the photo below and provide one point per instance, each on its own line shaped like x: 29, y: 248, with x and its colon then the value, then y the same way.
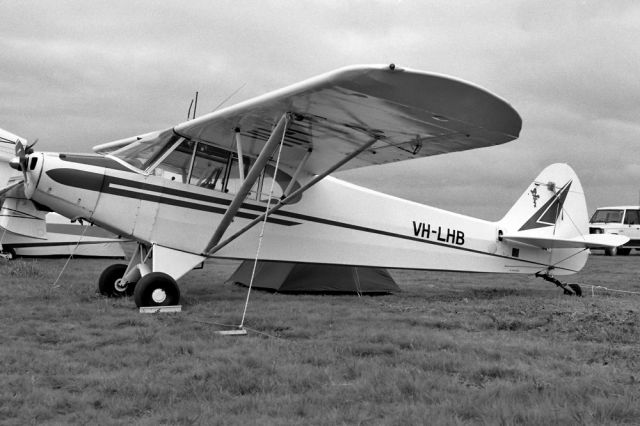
x: 449, y: 349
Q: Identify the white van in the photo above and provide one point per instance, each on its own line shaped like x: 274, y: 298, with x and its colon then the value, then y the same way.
x: 622, y: 220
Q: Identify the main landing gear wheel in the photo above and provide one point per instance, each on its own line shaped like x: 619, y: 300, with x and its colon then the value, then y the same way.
x: 110, y: 282
x: 156, y: 289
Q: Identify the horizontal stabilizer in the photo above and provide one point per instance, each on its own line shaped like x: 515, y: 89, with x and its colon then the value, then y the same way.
x: 581, y: 241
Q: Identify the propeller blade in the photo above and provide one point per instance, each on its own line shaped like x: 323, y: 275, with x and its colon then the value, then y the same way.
x: 19, y: 148
x: 29, y: 149
x: 22, y: 157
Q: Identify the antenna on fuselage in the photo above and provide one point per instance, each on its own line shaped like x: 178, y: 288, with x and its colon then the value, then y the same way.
x: 194, y: 104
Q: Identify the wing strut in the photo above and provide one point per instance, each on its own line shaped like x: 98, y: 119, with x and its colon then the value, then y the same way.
x: 294, y: 178
x: 211, y: 249
x: 250, y: 179
x: 240, y: 155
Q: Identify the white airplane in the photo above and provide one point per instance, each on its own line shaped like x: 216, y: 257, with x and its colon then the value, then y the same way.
x: 199, y: 189
x: 28, y: 231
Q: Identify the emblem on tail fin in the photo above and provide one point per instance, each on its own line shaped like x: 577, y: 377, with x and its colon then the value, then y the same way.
x: 548, y: 214
x: 535, y: 196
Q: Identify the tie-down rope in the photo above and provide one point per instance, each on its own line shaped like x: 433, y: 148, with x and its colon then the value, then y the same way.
x: 593, y: 287
x: 73, y: 251
x: 264, y: 222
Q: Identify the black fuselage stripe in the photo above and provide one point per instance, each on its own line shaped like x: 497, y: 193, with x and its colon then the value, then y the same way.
x: 154, y: 193
x: 189, y: 205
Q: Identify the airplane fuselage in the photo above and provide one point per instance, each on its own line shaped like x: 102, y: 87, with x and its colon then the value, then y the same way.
x: 334, y: 222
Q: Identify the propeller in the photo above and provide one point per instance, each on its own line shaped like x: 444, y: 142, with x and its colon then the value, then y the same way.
x: 20, y: 162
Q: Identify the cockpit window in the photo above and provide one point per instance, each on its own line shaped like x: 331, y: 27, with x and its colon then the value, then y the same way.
x: 176, y: 164
x: 143, y: 153
x: 210, y: 167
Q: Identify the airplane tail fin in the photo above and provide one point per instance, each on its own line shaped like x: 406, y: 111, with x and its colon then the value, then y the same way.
x: 552, y: 205
x: 552, y: 214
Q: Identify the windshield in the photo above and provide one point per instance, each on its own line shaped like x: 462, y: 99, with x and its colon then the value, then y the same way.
x: 607, y: 216
x: 143, y: 153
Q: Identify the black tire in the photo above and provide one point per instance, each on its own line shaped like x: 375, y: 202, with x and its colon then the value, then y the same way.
x: 611, y: 251
x: 109, y: 280
x: 11, y: 253
x: 577, y: 290
x: 156, y: 289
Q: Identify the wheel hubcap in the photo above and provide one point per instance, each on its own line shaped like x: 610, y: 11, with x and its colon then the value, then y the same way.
x: 158, y: 295
x: 118, y: 285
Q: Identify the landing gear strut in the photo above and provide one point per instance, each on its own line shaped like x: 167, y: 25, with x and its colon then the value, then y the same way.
x: 570, y: 289
x: 120, y: 280
x: 148, y: 288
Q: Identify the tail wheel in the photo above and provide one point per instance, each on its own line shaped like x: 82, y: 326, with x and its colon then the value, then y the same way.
x: 156, y: 289
x: 110, y: 282
x: 577, y: 290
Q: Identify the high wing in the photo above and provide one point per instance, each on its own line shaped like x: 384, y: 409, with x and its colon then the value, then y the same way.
x: 410, y: 113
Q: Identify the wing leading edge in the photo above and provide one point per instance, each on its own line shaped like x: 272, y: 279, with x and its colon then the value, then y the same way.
x: 410, y: 113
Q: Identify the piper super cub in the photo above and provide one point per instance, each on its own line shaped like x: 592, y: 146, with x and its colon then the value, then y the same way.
x: 198, y: 189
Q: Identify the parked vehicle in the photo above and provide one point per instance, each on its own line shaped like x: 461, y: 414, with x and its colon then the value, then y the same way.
x: 622, y: 220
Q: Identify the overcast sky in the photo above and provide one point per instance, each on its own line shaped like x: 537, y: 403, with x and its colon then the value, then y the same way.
x: 79, y: 73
